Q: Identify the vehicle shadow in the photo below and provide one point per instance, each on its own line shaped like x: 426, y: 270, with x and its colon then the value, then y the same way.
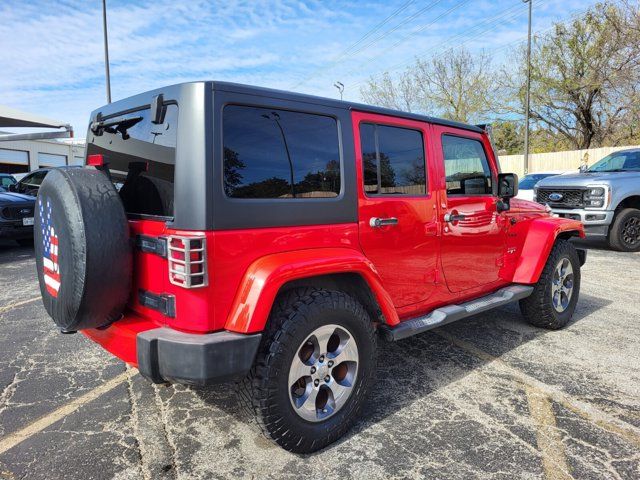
x: 10, y: 252
x: 593, y: 244
x: 419, y: 366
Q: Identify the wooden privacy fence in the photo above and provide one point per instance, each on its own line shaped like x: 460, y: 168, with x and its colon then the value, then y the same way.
x: 568, y: 160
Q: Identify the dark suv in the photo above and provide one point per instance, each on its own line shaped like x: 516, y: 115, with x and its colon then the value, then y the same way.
x: 16, y: 217
x: 235, y: 233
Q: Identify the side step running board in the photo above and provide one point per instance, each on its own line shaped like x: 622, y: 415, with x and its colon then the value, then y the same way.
x: 451, y: 313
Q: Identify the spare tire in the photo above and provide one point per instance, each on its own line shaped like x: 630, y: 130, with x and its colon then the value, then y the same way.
x: 83, y: 254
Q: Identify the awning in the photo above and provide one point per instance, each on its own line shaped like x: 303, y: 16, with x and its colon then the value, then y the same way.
x: 10, y: 117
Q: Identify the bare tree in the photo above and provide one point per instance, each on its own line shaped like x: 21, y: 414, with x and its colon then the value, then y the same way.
x: 399, y: 94
x: 454, y: 85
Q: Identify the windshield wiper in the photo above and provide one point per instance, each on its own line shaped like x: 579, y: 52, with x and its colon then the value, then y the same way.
x: 114, y: 125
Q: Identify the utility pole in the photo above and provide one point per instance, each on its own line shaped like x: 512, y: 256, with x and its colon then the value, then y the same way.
x: 527, y: 163
x: 340, y: 87
x: 106, y: 49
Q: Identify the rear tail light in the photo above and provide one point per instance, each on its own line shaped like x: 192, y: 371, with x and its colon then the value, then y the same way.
x: 187, y: 261
x: 95, y: 160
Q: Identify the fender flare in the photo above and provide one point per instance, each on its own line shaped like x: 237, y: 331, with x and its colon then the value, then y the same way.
x: 265, y: 276
x: 541, y: 236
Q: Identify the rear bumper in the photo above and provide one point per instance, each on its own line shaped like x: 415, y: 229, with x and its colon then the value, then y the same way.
x: 167, y: 355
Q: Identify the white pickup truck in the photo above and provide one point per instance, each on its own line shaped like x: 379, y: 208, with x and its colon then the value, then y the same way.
x: 605, y: 197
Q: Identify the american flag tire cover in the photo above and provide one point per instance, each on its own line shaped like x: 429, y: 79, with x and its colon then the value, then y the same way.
x: 50, y: 244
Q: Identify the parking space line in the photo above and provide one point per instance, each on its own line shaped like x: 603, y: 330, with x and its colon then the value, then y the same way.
x: 20, y: 436
x: 11, y: 306
x: 584, y: 409
x: 554, y: 459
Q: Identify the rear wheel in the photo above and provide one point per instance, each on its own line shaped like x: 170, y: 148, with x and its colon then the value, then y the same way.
x: 555, y: 295
x: 624, y: 235
x: 313, y: 370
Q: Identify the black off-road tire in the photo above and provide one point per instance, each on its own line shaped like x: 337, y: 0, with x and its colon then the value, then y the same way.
x: 93, y: 255
x: 264, y: 393
x: 624, y: 234
x: 538, y: 308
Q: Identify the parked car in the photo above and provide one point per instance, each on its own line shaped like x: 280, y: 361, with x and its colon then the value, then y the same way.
x: 31, y: 182
x: 6, y: 180
x: 529, y: 181
x: 605, y: 197
x: 16, y: 217
x: 277, y: 235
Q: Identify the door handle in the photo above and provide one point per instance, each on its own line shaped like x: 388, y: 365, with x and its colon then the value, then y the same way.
x: 453, y: 217
x: 375, y: 222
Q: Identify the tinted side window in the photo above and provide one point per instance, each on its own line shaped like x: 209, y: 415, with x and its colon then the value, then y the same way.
x: 393, y: 160
x: 466, y: 167
x: 271, y: 153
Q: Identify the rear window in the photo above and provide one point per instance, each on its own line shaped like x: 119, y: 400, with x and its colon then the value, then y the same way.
x: 270, y: 153
x: 141, y: 157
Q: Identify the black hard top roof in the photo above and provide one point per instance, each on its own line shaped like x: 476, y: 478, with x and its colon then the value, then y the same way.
x: 330, y: 102
x: 142, y: 98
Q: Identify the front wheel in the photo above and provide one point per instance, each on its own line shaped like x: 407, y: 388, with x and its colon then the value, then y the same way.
x: 624, y: 235
x: 313, y: 370
x: 555, y: 295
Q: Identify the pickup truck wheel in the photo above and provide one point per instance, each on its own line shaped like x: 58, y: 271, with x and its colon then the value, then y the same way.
x: 624, y: 235
x: 313, y: 370
x: 554, y: 298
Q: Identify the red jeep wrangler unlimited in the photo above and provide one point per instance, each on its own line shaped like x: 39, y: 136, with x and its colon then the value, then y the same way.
x: 225, y: 232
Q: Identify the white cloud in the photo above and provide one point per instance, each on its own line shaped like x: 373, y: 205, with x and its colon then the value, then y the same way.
x: 51, y: 54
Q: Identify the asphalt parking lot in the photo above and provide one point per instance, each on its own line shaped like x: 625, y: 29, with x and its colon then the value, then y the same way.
x: 487, y: 397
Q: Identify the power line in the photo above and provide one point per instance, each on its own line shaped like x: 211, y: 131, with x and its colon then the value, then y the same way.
x: 424, y: 27
x: 368, y: 34
x: 367, y: 45
x: 563, y: 20
x: 376, y: 28
x: 404, y: 22
x: 502, y: 18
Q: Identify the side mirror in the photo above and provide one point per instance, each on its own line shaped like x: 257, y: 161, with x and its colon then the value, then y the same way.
x: 507, y: 189
x: 12, y: 187
x: 507, y: 185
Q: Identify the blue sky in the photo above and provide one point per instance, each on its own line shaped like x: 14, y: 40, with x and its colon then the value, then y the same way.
x: 51, y: 54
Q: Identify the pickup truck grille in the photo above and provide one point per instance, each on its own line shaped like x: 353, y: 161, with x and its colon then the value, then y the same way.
x: 16, y: 212
x: 571, y: 198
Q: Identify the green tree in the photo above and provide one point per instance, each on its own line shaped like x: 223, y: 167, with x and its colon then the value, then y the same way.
x: 508, y: 137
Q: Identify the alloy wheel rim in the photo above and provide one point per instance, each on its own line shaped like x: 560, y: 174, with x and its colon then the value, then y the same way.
x: 323, y: 373
x: 631, y: 231
x: 562, y: 285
